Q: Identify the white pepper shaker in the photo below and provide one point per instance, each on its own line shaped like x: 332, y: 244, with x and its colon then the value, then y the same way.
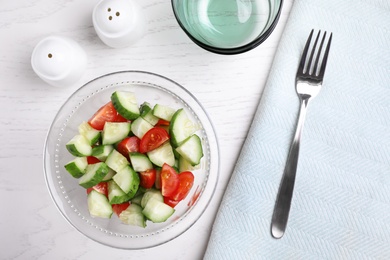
x: 59, y: 61
x: 118, y: 23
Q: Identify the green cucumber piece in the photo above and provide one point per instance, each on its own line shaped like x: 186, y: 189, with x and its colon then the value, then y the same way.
x: 116, y: 161
x: 157, y: 211
x: 181, y: 127
x: 163, y: 112
x: 185, y: 165
x: 140, y: 162
x: 113, y: 132
x: 109, y: 175
x: 147, y: 113
x: 191, y: 150
x: 137, y: 199
x: 152, y: 193
x: 128, y: 180
x: 162, y: 154
x: 115, y: 194
x: 126, y: 104
x: 98, y: 205
x: 79, y: 146
x: 90, y: 133
x: 140, y: 126
x: 102, y: 151
x: 77, y: 166
x: 94, y: 174
x: 133, y: 216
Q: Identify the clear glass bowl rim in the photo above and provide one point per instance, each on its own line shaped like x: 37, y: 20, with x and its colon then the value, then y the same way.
x: 181, y: 225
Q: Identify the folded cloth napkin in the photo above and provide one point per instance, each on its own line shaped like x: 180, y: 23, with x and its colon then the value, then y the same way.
x: 341, y: 203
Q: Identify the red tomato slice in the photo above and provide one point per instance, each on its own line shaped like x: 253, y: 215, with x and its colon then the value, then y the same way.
x: 147, y: 178
x: 170, y: 202
x: 92, y: 160
x: 153, y: 139
x: 120, y: 118
x: 106, y: 113
x: 162, y: 122
x: 169, y: 180
x: 186, y: 180
x: 118, y: 208
x: 128, y: 145
x: 100, y: 187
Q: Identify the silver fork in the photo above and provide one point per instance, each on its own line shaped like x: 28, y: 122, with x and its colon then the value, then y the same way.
x: 308, y: 84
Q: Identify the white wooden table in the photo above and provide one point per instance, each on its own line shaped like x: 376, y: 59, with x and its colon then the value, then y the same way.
x: 229, y: 88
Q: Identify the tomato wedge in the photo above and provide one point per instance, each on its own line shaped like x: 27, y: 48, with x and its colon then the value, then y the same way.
x: 162, y: 122
x: 170, y: 202
x: 128, y: 145
x: 186, y: 180
x: 153, y: 139
x: 118, y: 208
x: 169, y: 180
x: 120, y: 118
x: 92, y: 160
x: 100, y: 187
x: 106, y: 113
x: 147, y: 178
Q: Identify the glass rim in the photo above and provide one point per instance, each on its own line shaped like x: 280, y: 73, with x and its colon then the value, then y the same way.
x: 235, y: 50
x: 129, y: 238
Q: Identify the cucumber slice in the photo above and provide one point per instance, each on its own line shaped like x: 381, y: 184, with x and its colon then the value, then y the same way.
x: 128, y: 180
x: 140, y: 126
x: 185, y: 165
x: 147, y: 113
x: 90, y: 133
x: 140, y: 162
x: 157, y: 211
x: 115, y: 194
x: 102, y: 151
x: 152, y: 193
x: 116, y: 161
x: 191, y: 150
x: 163, y: 112
x: 98, y: 205
x: 109, y: 175
x: 126, y: 104
x: 133, y: 216
x: 137, y: 199
x: 115, y: 131
x: 93, y: 175
x: 138, y: 196
x: 77, y: 167
x: 162, y: 154
x: 181, y: 127
x: 79, y: 146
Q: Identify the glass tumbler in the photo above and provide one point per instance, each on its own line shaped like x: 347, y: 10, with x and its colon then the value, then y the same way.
x: 227, y: 26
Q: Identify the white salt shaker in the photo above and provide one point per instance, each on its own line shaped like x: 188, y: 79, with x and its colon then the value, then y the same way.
x: 118, y: 23
x: 59, y: 61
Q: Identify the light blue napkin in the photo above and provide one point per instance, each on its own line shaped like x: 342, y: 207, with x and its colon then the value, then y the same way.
x: 341, y: 202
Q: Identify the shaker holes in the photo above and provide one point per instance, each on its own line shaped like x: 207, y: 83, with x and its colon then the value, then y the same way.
x: 110, y: 17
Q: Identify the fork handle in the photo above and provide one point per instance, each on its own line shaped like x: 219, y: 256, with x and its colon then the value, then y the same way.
x: 285, y: 193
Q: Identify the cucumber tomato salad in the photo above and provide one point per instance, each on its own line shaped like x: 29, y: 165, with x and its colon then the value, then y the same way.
x: 135, y: 160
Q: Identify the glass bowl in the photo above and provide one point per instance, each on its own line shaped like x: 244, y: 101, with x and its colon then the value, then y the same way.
x: 227, y: 26
x: 71, y: 199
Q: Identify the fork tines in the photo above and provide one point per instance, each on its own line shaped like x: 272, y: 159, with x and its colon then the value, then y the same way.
x: 313, y: 71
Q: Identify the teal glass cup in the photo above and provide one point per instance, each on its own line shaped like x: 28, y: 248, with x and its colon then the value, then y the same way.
x: 227, y: 26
